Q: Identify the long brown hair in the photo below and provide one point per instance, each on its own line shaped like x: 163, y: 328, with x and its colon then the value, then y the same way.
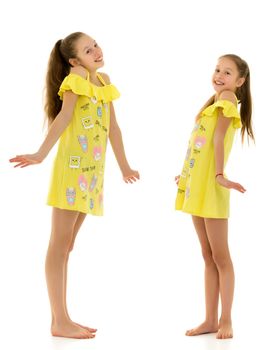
x: 58, y: 69
x: 243, y: 94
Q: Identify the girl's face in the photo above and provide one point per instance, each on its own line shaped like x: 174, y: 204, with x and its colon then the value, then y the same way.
x: 89, y: 54
x: 226, y: 76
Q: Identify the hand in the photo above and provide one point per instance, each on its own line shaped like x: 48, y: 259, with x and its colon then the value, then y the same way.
x: 177, y: 179
x: 131, y: 176
x: 229, y: 184
x: 26, y: 159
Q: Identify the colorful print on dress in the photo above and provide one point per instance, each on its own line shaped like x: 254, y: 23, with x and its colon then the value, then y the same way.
x: 87, y: 122
x: 196, y: 127
x: 96, y: 138
x: 93, y: 183
x: 97, y: 152
x: 93, y: 100
x: 74, y: 162
x: 91, y: 203
x: 83, y: 141
x: 82, y: 182
x: 192, y: 163
x: 99, y: 111
x: 71, y: 195
x: 199, y: 142
x: 188, y: 153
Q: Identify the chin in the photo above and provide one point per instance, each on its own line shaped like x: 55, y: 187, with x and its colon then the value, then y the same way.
x: 100, y: 64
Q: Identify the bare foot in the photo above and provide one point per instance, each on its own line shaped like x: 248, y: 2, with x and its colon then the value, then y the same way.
x: 204, y: 328
x: 71, y: 330
x: 91, y: 330
x: 225, y: 331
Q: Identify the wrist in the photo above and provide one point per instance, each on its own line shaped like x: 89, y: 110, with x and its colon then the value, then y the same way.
x: 218, y: 174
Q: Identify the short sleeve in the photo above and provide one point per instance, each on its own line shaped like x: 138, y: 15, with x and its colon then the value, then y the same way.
x: 229, y: 111
x: 80, y: 86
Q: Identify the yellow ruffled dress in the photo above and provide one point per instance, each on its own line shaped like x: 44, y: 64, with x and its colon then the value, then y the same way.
x: 198, y: 192
x: 78, y: 171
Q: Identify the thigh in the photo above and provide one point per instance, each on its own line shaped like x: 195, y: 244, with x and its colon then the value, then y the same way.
x: 78, y: 224
x: 217, y: 233
x: 63, y: 224
x: 200, y: 229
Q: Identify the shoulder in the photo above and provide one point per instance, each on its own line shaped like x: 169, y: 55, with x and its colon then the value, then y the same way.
x: 79, y: 70
x: 105, y: 77
x: 228, y: 96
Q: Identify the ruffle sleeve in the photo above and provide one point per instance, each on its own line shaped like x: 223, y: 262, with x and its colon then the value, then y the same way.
x: 83, y: 87
x: 229, y: 111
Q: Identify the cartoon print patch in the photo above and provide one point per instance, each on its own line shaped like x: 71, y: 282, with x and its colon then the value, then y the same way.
x: 199, y: 142
x: 71, y: 195
x: 83, y: 141
x: 87, y: 122
x: 74, y: 162
x: 192, y: 163
x: 93, y: 183
x: 91, y: 203
x: 93, y: 100
x: 99, y: 111
x: 97, y: 152
x: 82, y: 182
x: 188, y: 153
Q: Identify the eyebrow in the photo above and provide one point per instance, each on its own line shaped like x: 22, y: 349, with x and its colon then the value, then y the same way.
x: 88, y: 47
x: 227, y: 68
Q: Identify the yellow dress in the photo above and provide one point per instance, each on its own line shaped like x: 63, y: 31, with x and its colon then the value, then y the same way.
x: 198, y: 192
x: 78, y: 171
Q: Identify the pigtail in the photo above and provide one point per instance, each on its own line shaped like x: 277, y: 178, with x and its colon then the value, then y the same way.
x: 57, y: 70
x: 244, y: 95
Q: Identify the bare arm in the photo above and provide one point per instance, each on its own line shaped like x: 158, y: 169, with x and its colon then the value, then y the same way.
x: 115, y: 137
x: 219, y: 135
x: 60, y: 123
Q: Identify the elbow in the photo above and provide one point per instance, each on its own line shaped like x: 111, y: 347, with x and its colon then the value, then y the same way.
x: 114, y: 130
x: 218, y: 139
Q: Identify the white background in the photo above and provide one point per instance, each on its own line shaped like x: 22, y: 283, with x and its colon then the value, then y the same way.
x: 137, y: 273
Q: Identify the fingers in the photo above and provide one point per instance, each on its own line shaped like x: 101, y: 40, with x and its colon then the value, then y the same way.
x: 130, y: 179
x: 239, y: 188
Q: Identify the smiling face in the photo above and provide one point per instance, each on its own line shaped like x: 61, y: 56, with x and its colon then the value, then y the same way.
x: 88, y: 54
x: 226, y: 76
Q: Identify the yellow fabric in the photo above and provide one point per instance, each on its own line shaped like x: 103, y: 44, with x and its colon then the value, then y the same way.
x: 198, y: 192
x: 78, y: 171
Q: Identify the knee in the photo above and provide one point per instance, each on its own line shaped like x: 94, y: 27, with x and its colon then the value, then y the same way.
x: 222, y: 260
x: 207, y: 256
x: 61, y: 244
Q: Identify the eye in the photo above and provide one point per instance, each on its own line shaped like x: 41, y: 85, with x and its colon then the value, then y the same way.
x: 217, y: 70
x: 95, y: 45
x: 227, y: 73
x: 88, y: 51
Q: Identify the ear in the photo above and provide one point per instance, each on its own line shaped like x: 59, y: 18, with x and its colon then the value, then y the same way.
x: 74, y: 62
x: 240, y: 82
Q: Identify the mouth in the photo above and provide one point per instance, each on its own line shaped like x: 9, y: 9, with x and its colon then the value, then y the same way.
x: 217, y: 82
x: 100, y: 59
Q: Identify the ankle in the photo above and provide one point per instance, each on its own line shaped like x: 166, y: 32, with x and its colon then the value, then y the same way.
x: 225, y: 320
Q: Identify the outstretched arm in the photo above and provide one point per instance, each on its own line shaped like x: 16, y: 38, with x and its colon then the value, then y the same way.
x: 60, y: 123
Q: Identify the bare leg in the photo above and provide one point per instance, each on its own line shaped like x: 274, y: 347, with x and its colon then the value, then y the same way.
x: 217, y: 232
x: 210, y: 325
x: 63, y: 223
x: 77, y: 227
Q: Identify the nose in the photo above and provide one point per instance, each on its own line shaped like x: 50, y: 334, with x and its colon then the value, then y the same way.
x: 97, y: 52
